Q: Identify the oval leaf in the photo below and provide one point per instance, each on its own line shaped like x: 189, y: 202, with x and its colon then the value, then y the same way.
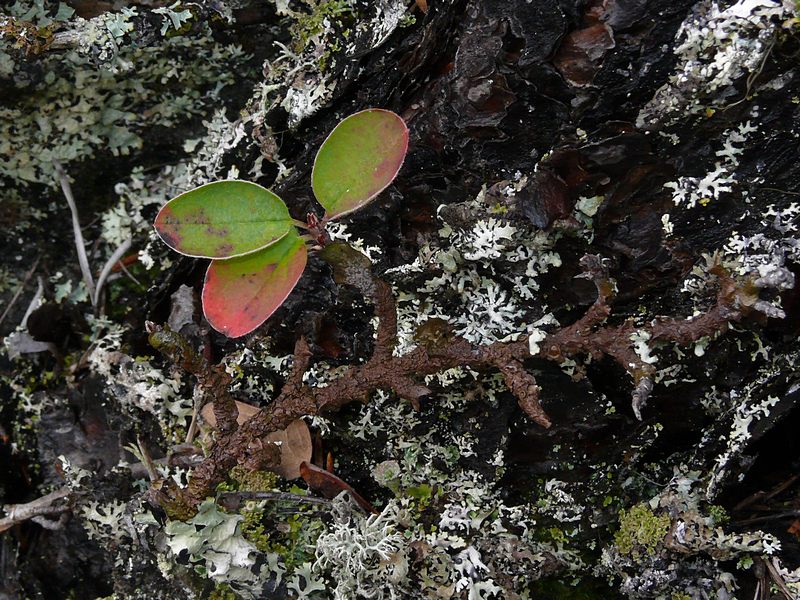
x: 241, y: 293
x: 296, y: 448
x: 223, y: 219
x: 360, y: 157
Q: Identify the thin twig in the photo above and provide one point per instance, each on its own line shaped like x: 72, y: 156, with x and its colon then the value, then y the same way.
x: 767, y: 518
x: 130, y: 276
x: 751, y: 78
x: 83, y: 260
x: 115, y: 257
x: 777, y: 579
x: 757, y: 496
x: 46, y: 505
x: 274, y: 496
x: 184, y: 460
x: 21, y: 287
x: 34, y: 303
x: 192, y: 426
x: 772, y: 189
x: 152, y: 473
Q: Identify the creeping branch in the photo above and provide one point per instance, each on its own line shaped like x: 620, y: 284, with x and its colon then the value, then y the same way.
x: 587, y: 336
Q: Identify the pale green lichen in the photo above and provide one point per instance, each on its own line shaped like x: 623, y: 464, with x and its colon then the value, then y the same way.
x: 173, y: 17
x: 212, y: 539
x: 79, y: 109
x: 364, y: 556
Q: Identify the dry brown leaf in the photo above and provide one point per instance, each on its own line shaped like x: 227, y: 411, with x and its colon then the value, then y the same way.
x: 295, y: 448
x: 245, y: 412
x: 294, y: 441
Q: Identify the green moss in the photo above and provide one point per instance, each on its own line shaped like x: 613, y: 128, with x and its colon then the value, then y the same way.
x: 223, y: 592
x: 313, y: 24
x: 718, y: 514
x: 295, y: 540
x: 640, y: 529
x: 254, y: 529
x: 680, y: 596
x: 554, y: 534
x: 253, y: 481
x: 422, y: 494
x: 272, y: 526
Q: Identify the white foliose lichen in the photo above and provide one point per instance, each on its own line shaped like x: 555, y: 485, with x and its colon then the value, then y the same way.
x: 136, y: 384
x: 688, y: 192
x: 766, y: 252
x: 298, y: 79
x: 478, y: 276
x: 747, y: 412
x: 104, y: 521
x: 716, y: 47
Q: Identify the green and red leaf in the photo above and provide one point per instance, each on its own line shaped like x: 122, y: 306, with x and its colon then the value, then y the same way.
x: 241, y: 293
x: 360, y: 157
x: 223, y: 219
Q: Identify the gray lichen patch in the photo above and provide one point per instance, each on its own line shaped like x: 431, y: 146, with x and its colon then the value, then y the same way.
x: 89, y: 102
x: 716, y: 47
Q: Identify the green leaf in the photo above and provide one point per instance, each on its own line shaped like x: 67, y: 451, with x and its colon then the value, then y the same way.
x: 360, y: 157
x: 241, y: 293
x: 223, y: 219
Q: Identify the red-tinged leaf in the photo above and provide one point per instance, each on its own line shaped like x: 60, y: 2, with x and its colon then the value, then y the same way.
x: 241, y: 293
x: 360, y: 157
x: 223, y: 219
x: 329, y: 485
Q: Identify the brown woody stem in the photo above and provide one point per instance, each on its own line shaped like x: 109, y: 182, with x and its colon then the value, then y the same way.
x: 587, y: 336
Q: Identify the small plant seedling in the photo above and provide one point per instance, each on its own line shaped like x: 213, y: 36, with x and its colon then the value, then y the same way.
x: 257, y: 254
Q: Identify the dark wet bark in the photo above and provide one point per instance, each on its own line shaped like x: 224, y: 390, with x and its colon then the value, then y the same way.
x: 489, y: 88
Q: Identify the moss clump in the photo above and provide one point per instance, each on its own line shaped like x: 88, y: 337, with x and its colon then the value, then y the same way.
x: 254, y: 529
x: 718, y: 514
x: 297, y: 539
x: 640, y: 529
x: 253, y: 481
x: 308, y: 26
x: 223, y: 592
